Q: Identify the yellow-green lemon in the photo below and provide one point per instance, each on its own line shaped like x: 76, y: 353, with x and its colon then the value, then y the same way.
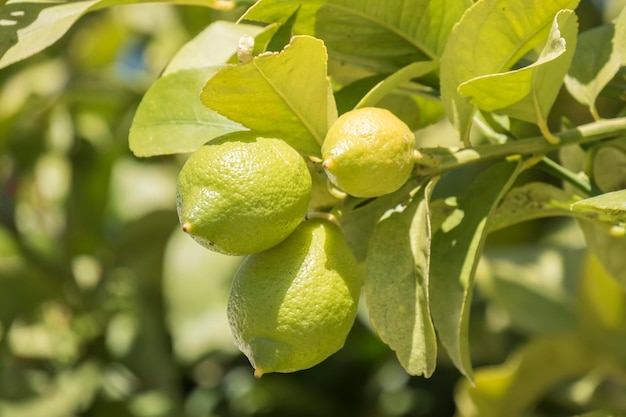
x: 242, y: 193
x: 293, y: 305
x: 368, y: 152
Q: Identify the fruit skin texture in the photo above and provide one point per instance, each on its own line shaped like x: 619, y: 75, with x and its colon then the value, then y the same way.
x: 242, y: 194
x: 293, y: 305
x: 368, y: 152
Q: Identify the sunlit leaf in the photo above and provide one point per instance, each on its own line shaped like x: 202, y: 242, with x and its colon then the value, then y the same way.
x: 529, y: 93
x: 609, y: 246
x: 609, y: 207
x: 29, y: 27
x: 489, y: 39
x: 516, y: 385
x: 211, y: 47
x: 285, y: 95
x: 183, y: 124
x: 396, y: 285
x: 369, y: 32
x: 600, y: 53
x: 455, y: 251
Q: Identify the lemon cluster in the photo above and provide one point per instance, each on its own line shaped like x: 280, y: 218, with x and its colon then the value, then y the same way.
x: 295, y: 296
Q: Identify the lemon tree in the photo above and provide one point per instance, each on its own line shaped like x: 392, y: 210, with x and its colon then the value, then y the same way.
x: 414, y: 151
x: 242, y: 193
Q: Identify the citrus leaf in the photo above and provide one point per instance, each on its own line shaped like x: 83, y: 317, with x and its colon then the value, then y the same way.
x: 30, y: 27
x: 383, y: 88
x: 285, y: 95
x: 456, y: 248
x: 507, y: 29
x: 529, y: 93
x: 214, y: 46
x: 184, y: 124
x: 513, y: 387
x: 531, y: 201
x: 608, y: 207
x: 396, y: 285
x: 599, y: 55
x: 609, y: 165
x: 369, y: 32
x: 608, y: 247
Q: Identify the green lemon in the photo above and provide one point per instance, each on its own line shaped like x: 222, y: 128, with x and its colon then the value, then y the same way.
x: 242, y: 194
x: 293, y: 305
x: 368, y: 152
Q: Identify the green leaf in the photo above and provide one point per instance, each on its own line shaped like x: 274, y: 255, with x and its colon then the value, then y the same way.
x: 608, y: 247
x: 30, y: 27
x: 609, y: 165
x: 285, y: 95
x: 529, y: 93
x: 599, y: 55
x: 396, y: 285
x: 602, y: 312
x: 385, y: 87
x: 171, y: 118
x: 531, y: 201
x: 608, y: 207
x: 489, y: 39
x: 212, y: 47
x: 516, y: 385
x: 603, y: 413
x: 455, y: 251
x: 369, y: 32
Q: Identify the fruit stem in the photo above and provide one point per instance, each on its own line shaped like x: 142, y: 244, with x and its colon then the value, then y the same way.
x: 438, y: 160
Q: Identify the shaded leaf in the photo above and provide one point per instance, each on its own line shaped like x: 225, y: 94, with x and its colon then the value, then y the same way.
x: 529, y: 93
x: 183, y: 124
x: 600, y: 53
x: 455, y: 251
x: 508, y: 30
x: 285, y: 95
x: 531, y: 201
x: 30, y: 27
x: 396, y: 285
x: 608, y: 247
x: 609, y: 166
x: 383, y: 88
x: 516, y: 385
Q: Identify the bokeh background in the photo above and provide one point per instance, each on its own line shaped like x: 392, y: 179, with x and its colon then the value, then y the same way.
x: 107, y: 309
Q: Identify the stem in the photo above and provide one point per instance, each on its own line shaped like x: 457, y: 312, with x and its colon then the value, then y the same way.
x: 438, y: 160
x: 551, y: 167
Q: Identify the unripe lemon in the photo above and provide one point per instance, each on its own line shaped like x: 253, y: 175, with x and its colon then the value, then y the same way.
x: 242, y: 194
x: 368, y: 152
x: 293, y: 305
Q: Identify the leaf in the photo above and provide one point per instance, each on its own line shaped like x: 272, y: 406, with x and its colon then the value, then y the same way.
x: 603, y: 413
x: 490, y: 38
x: 455, y: 251
x: 516, y: 385
x: 385, y: 87
x: 602, y: 312
x: 29, y: 27
x: 171, y: 118
x: 285, y: 95
x: 608, y: 207
x: 396, y: 285
x: 531, y: 201
x: 607, y: 247
x: 529, y: 93
x: 609, y: 165
x: 211, y: 47
x: 599, y: 55
x: 369, y: 32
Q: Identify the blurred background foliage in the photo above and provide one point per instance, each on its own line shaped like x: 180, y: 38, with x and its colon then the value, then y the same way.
x: 107, y: 309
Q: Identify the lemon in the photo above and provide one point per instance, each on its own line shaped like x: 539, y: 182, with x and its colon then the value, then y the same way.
x: 368, y: 152
x: 241, y: 193
x: 293, y: 305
